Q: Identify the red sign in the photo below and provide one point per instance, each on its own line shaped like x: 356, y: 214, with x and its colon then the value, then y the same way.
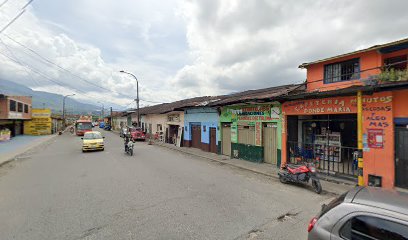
x: 375, y: 138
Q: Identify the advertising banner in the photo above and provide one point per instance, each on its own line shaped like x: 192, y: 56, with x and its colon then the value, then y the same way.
x: 40, y: 124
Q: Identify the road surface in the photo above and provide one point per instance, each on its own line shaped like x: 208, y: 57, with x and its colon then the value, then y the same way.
x: 58, y: 192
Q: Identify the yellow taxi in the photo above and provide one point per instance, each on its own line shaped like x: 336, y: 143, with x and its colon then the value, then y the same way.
x: 92, y: 141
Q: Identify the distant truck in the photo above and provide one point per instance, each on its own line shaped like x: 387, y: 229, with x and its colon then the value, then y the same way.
x: 83, y: 125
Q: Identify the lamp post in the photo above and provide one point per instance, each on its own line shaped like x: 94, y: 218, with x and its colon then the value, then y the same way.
x: 137, y: 95
x: 63, y: 107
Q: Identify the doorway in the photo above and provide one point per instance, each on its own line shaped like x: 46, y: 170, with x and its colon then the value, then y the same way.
x: 270, y: 145
x: 196, y: 136
x: 226, y: 139
x: 401, y: 156
x: 213, y: 140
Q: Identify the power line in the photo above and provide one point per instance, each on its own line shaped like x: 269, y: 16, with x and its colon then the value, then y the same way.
x: 55, y: 64
x: 48, y: 61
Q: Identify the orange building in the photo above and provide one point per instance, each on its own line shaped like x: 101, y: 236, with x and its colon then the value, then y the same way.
x: 321, y: 122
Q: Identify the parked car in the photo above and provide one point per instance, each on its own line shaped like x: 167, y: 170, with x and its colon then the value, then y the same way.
x: 92, y: 141
x: 107, y: 127
x: 137, y: 133
x: 363, y: 213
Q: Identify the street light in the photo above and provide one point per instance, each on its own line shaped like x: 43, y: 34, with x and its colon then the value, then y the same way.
x: 103, y: 107
x: 63, y: 106
x: 137, y: 97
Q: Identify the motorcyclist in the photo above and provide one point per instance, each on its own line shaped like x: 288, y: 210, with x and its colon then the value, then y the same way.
x: 127, y: 140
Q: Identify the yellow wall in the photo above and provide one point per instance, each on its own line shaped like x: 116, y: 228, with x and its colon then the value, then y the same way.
x: 40, y: 124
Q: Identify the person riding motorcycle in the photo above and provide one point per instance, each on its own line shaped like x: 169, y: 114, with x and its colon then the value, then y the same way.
x: 128, y: 144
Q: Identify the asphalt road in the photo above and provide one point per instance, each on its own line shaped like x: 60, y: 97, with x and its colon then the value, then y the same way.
x: 58, y: 192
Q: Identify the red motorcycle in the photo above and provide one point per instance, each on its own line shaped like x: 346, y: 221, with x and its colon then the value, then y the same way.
x: 300, y: 173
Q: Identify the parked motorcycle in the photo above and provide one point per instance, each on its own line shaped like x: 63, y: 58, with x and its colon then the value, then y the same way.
x: 301, y: 173
x: 128, y: 146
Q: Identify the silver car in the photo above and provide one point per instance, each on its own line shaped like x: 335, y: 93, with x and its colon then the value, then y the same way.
x: 363, y: 213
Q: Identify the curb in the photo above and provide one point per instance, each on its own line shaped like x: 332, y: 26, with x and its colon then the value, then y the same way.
x: 16, y: 156
x: 252, y: 170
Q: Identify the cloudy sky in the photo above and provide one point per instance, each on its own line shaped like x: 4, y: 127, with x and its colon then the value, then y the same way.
x: 182, y: 48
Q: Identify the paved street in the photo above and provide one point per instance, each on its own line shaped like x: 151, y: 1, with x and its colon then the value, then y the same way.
x: 58, y: 192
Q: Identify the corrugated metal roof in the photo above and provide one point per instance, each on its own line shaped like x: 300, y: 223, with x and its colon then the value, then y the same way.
x: 375, y: 47
x: 259, y: 95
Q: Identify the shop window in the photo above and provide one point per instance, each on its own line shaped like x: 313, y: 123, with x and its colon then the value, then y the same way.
x: 369, y: 227
x: 25, y: 108
x: 396, y: 63
x: 246, y: 135
x: 342, y: 71
x: 13, y: 106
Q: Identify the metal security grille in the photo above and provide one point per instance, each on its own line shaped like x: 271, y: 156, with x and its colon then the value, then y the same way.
x: 326, y: 160
x: 342, y: 71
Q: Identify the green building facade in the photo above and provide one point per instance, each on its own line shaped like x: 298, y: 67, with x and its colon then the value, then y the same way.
x: 255, y: 132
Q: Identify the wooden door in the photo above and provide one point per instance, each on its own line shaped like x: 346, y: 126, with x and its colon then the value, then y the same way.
x: 401, y: 157
x: 196, y: 136
x: 213, y: 140
x: 270, y: 143
x: 226, y: 139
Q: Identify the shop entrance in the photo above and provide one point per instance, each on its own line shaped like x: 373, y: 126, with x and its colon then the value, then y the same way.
x: 401, y: 156
x: 330, y: 140
x: 270, y: 141
x: 172, y: 134
x: 226, y: 139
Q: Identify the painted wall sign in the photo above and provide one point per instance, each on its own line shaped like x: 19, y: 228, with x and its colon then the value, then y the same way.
x: 252, y: 115
x: 40, y: 124
x: 15, y: 115
x: 338, y: 105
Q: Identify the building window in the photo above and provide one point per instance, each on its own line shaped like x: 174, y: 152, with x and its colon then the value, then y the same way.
x: 20, y: 107
x: 342, y: 71
x: 13, y: 106
x: 396, y: 63
x: 25, y: 108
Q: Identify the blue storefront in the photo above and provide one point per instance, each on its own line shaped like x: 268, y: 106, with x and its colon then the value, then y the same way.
x: 201, y: 128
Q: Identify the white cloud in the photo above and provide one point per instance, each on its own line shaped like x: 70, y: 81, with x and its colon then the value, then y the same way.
x: 239, y: 45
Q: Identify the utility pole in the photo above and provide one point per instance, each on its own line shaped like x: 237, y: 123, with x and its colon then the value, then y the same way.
x: 63, y: 108
x: 360, y: 138
x: 102, y: 113
x: 111, y: 117
x: 137, y: 95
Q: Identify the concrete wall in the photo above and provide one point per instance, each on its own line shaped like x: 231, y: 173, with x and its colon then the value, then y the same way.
x: 206, y: 117
x: 154, y: 119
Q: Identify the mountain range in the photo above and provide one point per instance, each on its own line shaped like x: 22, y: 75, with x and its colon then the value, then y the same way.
x: 47, y: 100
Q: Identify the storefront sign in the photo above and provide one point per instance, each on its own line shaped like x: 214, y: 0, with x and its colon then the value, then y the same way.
x: 251, y: 113
x: 250, y: 116
x: 15, y: 115
x: 375, y: 138
x: 40, y: 124
x: 338, y: 105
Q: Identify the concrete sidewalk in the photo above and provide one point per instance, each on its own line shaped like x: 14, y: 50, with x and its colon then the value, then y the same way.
x: 18, y: 145
x: 328, y: 184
